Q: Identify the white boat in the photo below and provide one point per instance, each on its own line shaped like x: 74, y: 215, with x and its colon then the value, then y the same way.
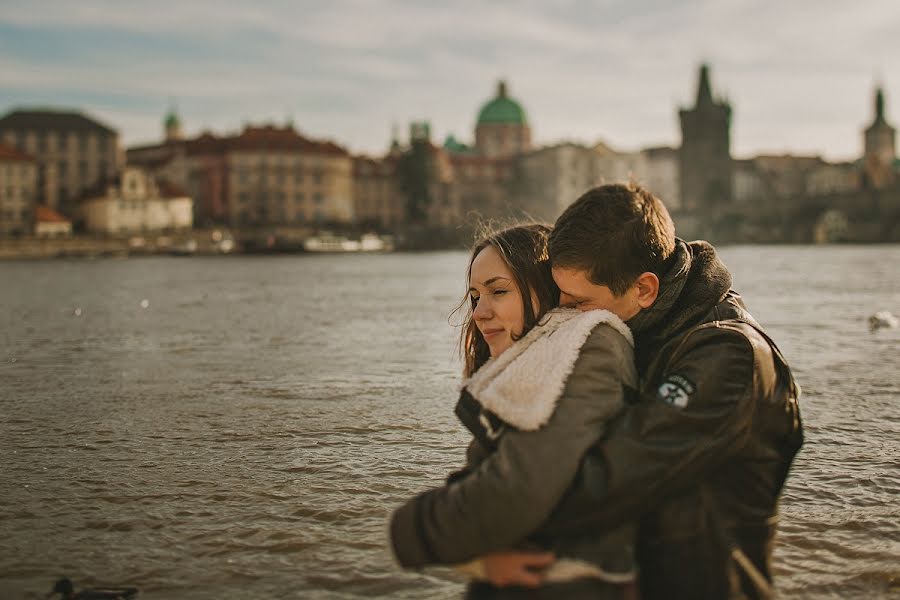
x: 328, y: 242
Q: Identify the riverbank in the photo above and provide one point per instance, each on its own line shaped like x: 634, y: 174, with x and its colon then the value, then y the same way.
x: 201, y: 242
x: 221, y: 240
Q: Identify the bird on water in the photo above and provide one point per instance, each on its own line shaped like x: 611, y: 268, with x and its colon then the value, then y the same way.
x: 66, y: 591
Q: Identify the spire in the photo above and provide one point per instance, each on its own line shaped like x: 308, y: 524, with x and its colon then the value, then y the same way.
x: 879, y: 106
x: 395, y: 139
x: 501, y: 89
x: 704, y: 93
x: 172, y: 124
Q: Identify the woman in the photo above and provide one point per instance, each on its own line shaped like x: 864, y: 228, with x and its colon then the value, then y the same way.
x: 540, y: 385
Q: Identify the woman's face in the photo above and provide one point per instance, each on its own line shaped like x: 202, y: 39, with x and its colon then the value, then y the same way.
x: 499, y: 312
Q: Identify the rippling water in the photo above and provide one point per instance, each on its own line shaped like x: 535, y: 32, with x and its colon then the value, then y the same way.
x: 248, y: 429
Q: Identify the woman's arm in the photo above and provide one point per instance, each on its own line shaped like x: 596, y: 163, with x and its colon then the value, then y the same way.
x: 512, y: 491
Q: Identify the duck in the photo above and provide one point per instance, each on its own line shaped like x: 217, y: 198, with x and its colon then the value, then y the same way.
x: 67, y: 591
x: 883, y: 320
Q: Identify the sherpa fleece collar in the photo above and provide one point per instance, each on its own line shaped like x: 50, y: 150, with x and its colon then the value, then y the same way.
x: 523, y: 384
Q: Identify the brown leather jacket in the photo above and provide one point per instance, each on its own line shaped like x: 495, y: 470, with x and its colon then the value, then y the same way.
x: 701, y: 454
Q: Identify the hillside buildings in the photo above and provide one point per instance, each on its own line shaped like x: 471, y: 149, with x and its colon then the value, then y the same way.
x: 136, y: 202
x: 73, y: 152
x: 265, y: 175
x: 268, y: 176
x: 18, y: 190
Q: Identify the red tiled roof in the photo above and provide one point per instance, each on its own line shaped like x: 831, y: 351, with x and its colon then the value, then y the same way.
x: 475, y: 159
x: 378, y: 166
x: 252, y: 138
x: 42, y: 120
x: 269, y: 137
x: 45, y: 214
x: 12, y: 153
x: 167, y: 189
x: 206, y: 143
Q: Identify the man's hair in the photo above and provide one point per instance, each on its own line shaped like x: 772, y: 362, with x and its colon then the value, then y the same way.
x: 615, y: 233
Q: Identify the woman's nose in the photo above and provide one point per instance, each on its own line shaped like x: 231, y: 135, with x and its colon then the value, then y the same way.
x: 482, y: 310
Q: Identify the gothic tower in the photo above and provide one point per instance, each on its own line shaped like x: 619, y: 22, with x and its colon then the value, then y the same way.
x: 880, y: 152
x: 705, y: 155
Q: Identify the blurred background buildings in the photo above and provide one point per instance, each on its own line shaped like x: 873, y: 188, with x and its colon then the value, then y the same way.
x: 64, y: 166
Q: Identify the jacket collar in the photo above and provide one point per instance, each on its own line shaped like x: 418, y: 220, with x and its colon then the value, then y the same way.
x: 695, y: 281
x: 523, y: 384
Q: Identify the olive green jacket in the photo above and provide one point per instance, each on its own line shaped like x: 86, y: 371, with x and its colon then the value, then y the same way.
x: 528, y: 445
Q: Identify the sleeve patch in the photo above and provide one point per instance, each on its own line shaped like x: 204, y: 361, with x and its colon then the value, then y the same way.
x: 676, y: 390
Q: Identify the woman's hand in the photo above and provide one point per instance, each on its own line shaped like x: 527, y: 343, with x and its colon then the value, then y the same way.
x: 525, y: 569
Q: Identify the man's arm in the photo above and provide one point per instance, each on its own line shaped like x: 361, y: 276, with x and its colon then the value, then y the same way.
x: 697, y: 419
x: 512, y: 491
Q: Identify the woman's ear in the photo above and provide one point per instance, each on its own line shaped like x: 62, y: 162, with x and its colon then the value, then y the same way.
x: 647, y: 286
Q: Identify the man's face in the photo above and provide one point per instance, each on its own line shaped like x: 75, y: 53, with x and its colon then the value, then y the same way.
x: 577, y: 291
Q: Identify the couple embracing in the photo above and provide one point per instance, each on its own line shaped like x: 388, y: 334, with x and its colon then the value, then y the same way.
x: 632, y: 424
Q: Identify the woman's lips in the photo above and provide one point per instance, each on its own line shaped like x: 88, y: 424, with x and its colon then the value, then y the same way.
x: 487, y: 333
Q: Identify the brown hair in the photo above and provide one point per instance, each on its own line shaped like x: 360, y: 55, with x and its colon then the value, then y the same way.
x: 524, y: 249
x: 615, y: 233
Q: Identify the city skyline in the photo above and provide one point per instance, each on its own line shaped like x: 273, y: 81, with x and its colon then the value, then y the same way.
x: 350, y: 71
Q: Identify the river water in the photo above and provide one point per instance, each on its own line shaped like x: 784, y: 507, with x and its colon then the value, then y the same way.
x: 242, y: 426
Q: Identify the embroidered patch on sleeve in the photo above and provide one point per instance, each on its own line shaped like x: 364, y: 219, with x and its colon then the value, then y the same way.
x: 676, y: 390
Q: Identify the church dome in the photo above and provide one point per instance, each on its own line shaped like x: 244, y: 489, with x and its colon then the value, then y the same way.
x: 502, y: 109
x: 172, y: 119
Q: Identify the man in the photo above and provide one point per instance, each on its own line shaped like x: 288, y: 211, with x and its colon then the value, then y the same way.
x: 701, y: 454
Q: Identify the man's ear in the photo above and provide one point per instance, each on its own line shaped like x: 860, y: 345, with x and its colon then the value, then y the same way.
x: 647, y: 286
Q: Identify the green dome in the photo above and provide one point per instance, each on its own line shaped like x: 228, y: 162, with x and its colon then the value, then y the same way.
x: 502, y: 109
x: 172, y: 119
x: 451, y: 144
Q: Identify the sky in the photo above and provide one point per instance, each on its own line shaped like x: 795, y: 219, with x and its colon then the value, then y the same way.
x: 800, y: 74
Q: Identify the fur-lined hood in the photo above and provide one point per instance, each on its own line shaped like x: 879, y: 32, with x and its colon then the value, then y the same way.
x: 523, y: 384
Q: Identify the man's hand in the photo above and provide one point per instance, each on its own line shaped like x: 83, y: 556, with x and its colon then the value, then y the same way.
x: 517, y: 568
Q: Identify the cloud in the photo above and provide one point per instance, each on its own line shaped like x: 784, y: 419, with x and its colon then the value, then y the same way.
x: 799, y: 74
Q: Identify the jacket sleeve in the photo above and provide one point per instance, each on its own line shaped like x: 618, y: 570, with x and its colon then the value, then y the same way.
x: 671, y: 438
x: 514, y: 489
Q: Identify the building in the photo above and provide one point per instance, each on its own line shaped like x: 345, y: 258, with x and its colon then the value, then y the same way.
x: 18, y: 190
x: 502, y: 128
x: 548, y: 179
x: 880, y: 152
x: 833, y: 178
x: 50, y: 224
x: 660, y: 173
x: 73, y: 152
x: 263, y: 176
x: 705, y: 155
x: 377, y: 198
x: 172, y: 126
x: 136, y: 202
